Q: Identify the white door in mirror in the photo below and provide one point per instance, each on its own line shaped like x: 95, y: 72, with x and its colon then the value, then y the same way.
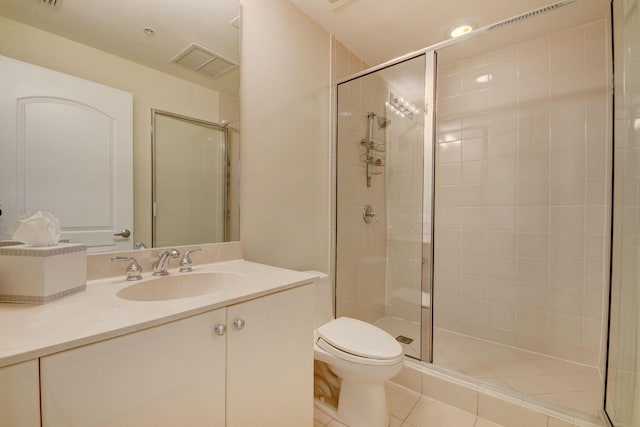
x: 66, y: 149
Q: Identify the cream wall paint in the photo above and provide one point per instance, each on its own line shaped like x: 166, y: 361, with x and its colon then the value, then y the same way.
x: 284, y: 179
x: 150, y: 88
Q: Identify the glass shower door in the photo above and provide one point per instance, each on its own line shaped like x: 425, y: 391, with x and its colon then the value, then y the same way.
x: 622, y: 401
x: 379, y: 241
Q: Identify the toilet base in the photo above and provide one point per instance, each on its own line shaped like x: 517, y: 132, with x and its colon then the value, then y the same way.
x: 363, y: 404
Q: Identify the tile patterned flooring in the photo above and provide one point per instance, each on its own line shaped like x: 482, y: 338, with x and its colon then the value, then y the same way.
x: 559, y: 382
x: 410, y: 409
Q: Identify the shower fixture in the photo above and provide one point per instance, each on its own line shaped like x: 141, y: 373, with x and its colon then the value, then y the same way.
x: 376, y: 148
x: 383, y: 122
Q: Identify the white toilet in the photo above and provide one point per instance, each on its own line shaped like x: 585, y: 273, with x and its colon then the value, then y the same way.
x: 363, y: 357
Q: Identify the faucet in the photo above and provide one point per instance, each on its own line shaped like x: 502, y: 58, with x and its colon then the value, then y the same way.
x: 185, y: 262
x: 160, y: 267
x: 134, y: 271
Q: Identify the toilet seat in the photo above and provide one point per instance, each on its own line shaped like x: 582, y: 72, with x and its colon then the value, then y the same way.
x: 358, y: 342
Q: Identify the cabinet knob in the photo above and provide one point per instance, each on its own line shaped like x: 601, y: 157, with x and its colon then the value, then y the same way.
x: 220, y: 329
x: 239, y: 324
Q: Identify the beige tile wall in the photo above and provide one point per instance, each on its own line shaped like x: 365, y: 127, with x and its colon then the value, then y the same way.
x: 521, y: 196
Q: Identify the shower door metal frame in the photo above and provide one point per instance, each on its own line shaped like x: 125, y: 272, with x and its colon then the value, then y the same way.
x: 227, y: 160
x: 429, y: 124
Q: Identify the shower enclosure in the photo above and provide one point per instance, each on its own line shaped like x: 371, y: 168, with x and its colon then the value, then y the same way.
x: 474, y: 178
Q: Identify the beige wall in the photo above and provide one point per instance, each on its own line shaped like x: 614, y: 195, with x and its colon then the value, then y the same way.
x: 150, y: 88
x: 521, y: 195
x: 284, y: 153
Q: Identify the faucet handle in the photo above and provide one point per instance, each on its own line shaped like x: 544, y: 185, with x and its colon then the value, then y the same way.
x: 185, y: 262
x: 134, y: 270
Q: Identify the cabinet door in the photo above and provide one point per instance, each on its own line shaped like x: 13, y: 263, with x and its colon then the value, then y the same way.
x: 270, y: 361
x: 169, y: 375
x: 20, y: 395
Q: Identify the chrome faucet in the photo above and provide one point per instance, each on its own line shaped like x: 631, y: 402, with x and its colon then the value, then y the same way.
x: 160, y: 267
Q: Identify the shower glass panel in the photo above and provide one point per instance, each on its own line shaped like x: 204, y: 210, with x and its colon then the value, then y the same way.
x: 622, y: 402
x: 379, y: 222
x: 189, y: 181
x: 523, y: 167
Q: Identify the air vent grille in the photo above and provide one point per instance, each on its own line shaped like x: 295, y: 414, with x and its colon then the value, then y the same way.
x: 50, y: 2
x: 202, y: 60
x: 531, y: 14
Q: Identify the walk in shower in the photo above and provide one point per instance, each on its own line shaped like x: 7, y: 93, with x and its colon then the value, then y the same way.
x: 474, y: 200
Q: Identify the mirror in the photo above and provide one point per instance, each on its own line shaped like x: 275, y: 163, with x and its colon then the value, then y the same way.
x: 190, y: 183
x: 179, y: 59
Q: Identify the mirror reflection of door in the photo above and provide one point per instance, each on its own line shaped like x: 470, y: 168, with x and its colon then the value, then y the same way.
x: 189, y: 181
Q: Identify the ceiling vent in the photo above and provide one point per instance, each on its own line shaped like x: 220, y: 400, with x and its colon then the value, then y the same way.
x: 202, y: 60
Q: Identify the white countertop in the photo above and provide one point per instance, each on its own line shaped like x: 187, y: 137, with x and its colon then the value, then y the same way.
x: 31, y: 331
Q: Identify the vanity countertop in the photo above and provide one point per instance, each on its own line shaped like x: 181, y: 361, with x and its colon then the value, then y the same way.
x: 31, y: 331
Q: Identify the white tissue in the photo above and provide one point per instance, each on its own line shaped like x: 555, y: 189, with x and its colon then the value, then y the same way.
x: 39, y: 229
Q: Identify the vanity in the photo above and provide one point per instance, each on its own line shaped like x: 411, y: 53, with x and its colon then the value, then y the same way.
x: 235, y: 350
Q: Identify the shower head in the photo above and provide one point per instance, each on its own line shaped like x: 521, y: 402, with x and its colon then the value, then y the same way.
x: 383, y: 122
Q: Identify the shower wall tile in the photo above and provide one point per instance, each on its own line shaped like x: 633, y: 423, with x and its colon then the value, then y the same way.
x: 521, y: 202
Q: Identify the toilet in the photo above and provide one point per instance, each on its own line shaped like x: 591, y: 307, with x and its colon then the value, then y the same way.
x: 361, y: 355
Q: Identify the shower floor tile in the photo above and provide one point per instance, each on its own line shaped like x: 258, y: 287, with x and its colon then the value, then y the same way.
x: 559, y: 382
x: 396, y: 327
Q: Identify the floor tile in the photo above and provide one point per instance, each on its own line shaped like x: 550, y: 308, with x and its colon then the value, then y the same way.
x: 394, y: 422
x: 484, y: 423
x: 430, y: 413
x: 400, y: 400
x: 320, y: 416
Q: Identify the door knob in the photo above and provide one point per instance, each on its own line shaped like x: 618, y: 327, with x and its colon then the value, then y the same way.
x: 239, y: 324
x: 220, y: 329
x: 124, y: 233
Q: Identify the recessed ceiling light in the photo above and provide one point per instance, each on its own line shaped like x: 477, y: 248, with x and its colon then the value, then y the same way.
x: 461, y: 30
x: 149, y: 31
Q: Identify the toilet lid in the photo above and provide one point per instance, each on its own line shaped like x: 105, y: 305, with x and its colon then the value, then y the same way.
x: 359, y: 338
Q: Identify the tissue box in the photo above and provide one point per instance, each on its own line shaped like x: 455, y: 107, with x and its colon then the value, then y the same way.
x: 40, y: 275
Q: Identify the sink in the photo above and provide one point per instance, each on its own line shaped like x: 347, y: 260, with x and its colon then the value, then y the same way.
x: 180, y: 286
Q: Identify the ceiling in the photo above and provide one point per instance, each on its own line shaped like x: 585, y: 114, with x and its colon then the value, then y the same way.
x: 380, y: 30
x: 116, y: 26
x: 375, y: 30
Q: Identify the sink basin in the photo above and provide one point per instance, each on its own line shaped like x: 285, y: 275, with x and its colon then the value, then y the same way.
x: 178, y: 286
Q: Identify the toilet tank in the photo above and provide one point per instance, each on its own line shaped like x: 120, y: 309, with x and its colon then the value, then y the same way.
x: 323, y: 300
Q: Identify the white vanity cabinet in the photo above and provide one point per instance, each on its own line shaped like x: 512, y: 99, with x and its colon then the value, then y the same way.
x: 270, y: 361
x: 184, y: 373
x: 20, y: 395
x: 169, y: 375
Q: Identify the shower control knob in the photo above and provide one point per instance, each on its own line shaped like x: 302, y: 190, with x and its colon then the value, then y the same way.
x: 220, y: 329
x: 239, y: 324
